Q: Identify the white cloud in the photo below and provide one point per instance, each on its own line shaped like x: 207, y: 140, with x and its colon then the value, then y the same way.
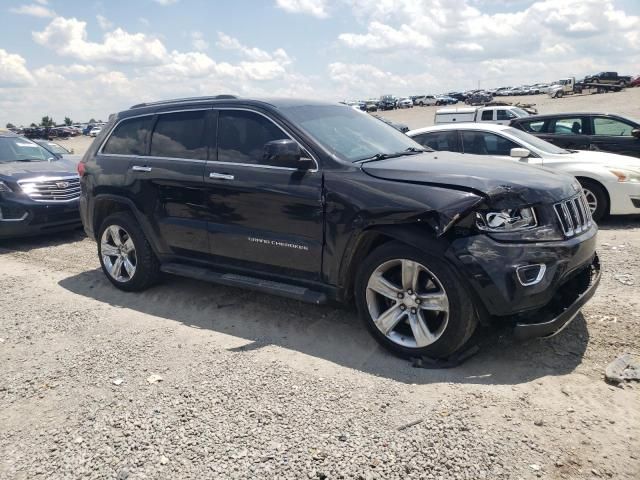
x: 104, y: 22
x: 166, y: 2
x: 34, y: 10
x: 68, y: 36
x: 385, y: 37
x: 13, y: 70
x: 254, y: 54
x: 198, y: 41
x: 316, y: 8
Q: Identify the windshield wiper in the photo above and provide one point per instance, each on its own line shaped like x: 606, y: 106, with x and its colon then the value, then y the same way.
x: 384, y: 156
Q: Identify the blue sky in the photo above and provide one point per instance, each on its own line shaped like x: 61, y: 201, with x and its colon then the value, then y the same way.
x: 91, y: 58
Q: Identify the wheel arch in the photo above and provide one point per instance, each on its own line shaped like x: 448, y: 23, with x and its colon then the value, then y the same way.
x: 580, y: 178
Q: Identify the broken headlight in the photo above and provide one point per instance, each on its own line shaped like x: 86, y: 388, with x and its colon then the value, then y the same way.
x: 509, y: 220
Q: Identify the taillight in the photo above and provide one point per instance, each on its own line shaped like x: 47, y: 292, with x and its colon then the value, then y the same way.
x: 81, y: 169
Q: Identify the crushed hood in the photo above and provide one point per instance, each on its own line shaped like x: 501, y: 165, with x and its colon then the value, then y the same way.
x: 502, y: 183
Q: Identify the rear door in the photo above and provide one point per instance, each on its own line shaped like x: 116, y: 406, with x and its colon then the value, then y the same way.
x: 487, y: 143
x: 170, y: 180
x: 262, y: 216
x: 614, y: 135
x: 567, y: 132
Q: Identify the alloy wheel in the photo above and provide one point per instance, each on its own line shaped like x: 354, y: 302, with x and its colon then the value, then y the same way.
x: 407, y: 303
x: 592, y: 200
x: 118, y: 253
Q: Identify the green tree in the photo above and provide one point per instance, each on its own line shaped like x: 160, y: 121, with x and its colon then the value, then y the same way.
x: 33, y: 125
x: 93, y: 120
x: 10, y: 125
x: 67, y: 121
x: 47, y: 122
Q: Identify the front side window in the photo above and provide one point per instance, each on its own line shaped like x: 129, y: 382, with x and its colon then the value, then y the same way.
x: 487, y: 115
x: 242, y: 136
x: 566, y: 126
x: 443, y: 141
x: 611, y: 127
x: 536, y: 126
x: 180, y: 135
x: 484, y: 143
x: 505, y: 115
x: 130, y: 137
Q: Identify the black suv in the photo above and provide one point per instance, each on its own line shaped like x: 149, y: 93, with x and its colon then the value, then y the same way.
x: 39, y: 190
x: 320, y: 202
x: 585, y: 131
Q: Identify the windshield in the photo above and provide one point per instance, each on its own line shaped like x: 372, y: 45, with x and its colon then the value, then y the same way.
x: 520, y: 112
x: 542, y: 145
x: 349, y: 134
x: 54, y: 147
x: 18, y: 149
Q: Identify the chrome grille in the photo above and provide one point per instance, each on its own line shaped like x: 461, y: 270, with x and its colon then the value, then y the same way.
x: 574, y: 215
x: 50, y: 189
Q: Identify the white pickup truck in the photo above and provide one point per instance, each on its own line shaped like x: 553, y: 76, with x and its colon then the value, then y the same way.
x: 501, y: 115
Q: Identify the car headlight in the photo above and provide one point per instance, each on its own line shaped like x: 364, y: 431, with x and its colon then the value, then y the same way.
x: 510, y: 220
x: 4, y: 187
x: 625, y: 175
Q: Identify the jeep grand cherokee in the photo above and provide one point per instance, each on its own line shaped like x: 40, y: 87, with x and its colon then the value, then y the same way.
x: 320, y: 202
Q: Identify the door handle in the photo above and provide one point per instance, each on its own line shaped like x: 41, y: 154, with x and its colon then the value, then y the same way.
x: 221, y: 176
x: 138, y: 168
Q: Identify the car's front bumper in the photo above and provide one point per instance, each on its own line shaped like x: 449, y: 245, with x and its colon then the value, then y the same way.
x: 34, y: 218
x: 624, y: 198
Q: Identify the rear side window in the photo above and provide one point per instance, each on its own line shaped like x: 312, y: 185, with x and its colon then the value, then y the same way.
x: 487, y: 115
x: 180, y: 135
x: 242, y: 136
x: 484, y: 143
x: 566, y: 126
x: 446, y: 141
x: 130, y: 137
x: 611, y: 127
x: 536, y: 126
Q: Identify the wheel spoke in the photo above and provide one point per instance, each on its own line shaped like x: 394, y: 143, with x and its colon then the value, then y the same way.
x: 410, y: 271
x: 109, y: 250
x: 114, y: 231
x: 388, y: 320
x: 129, y: 267
x: 434, y: 301
x: 420, y: 330
x: 384, y: 287
x: 129, y: 246
x: 116, y: 268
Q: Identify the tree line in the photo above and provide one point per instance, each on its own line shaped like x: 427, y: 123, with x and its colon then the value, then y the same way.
x: 49, y: 122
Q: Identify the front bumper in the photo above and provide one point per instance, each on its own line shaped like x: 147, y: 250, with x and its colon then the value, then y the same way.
x: 624, y: 198
x: 564, y: 307
x: 35, y: 218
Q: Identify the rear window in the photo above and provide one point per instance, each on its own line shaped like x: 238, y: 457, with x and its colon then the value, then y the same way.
x: 130, y: 137
x: 566, y: 126
x: 180, y: 135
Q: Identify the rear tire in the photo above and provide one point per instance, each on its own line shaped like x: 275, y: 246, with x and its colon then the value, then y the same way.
x: 412, y: 303
x: 596, y: 198
x: 125, y: 255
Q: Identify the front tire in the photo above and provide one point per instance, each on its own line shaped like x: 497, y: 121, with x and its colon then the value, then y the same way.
x: 125, y: 254
x: 413, y: 304
x: 597, y: 198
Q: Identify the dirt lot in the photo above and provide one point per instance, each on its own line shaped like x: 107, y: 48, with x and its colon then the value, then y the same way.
x: 255, y: 386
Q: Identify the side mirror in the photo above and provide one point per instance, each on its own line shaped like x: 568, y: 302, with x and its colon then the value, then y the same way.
x: 520, y: 153
x: 636, y: 132
x: 285, y: 153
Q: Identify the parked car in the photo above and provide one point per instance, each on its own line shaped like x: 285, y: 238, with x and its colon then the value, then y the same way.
x: 405, y: 103
x: 611, y: 78
x: 611, y: 183
x: 371, y: 106
x: 445, y: 100
x: 585, y: 131
x: 321, y: 203
x: 95, y: 131
x: 54, y: 147
x: 38, y: 191
x: 88, y: 128
x: 387, y: 102
x: 479, y: 98
x: 500, y: 114
x: 635, y: 82
x: 425, y: 100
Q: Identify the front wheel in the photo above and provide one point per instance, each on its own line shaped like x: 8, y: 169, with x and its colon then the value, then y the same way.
x: 412, y: 303
x: 597, y: 198
x: 125, y: 254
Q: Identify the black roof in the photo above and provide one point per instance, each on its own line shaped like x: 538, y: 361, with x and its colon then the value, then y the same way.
x: 277, y: 102
x: 563, y: 114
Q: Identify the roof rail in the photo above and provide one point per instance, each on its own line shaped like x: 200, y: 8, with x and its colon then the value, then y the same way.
x: 178, y: 100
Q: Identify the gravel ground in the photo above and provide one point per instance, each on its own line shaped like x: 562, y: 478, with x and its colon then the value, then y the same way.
x: 191, y: 380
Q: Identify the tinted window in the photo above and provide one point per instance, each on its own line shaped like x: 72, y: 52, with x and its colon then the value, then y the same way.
x: 612, y: 127
x: 129, y: 137
x: 504, y: 115
x: 566, y: 126
x: 487, y: 115
x: 533, y: 126
x: 438, y: 140
x: 483, y: 143
x: 243, y: 135
x: 180, y: 135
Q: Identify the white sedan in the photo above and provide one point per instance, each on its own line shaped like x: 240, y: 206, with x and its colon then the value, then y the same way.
x: 611, y: 182
x: 95, y: 132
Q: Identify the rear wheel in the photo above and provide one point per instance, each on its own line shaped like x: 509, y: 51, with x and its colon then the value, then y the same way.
x: 413, y: 304
x: 597, y: 198
x: 125, y: 254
